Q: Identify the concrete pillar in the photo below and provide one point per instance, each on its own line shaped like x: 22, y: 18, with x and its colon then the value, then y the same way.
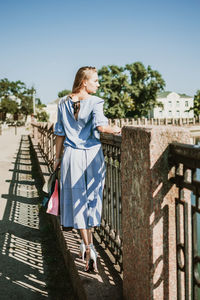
x: 148, y: 219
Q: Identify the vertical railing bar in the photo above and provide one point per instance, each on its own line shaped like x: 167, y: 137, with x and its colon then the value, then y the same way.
x: 194, y: 243
x: 179, y: 291
x: 186, y: 258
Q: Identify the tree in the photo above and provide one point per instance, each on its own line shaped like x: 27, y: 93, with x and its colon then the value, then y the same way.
x: 129, y: 91
x: 196, y: 107
x: 27, y: 102
x: 4, y: 88
x: 113, y: 88
x: 39, y: 104
x: 42, y: 116
x: 9, y: 106
x: 143, y: 88
x: 64, y: 93
x: 18, y: 89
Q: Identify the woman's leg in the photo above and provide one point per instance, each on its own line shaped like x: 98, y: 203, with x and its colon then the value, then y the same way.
x: 89, y: 234
x: 84, y: 235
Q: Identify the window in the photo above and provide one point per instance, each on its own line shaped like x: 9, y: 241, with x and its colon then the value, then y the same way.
x: 170, y: 103
x: 178, y: 113
x: 186, y: 104
x: 170, y: 113
x: 160, y: 113
x: 177, y: 103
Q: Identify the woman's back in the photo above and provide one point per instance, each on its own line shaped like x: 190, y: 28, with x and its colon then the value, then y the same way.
x: 79, y: 128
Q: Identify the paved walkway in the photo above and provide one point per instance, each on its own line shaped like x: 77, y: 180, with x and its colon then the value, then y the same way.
x: 26, y: 266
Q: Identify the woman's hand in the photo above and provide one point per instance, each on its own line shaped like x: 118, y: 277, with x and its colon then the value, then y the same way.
x: 109, y: 129
x: 116, y: 129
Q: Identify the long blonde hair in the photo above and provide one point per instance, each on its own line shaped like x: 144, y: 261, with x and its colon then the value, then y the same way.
x: 81, y: 75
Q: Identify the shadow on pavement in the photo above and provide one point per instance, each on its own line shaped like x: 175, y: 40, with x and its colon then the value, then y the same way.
x: 31, y: 266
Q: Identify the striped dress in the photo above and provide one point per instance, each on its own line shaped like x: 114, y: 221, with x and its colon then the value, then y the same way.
x: 82, y: 165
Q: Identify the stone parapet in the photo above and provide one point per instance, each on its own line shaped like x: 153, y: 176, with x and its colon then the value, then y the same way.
x: 148, y: 212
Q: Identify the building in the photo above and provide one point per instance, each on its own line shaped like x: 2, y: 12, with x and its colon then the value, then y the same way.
x: 51, y: 110
x: 174, y: 106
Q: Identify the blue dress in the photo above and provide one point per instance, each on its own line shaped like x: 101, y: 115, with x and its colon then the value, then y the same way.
x: 82, y: 166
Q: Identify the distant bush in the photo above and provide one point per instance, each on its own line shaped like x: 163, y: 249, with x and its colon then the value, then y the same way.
x: 42, y: 116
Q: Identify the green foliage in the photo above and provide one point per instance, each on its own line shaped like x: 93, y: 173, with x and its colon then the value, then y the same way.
x: 39, y: 104
x: 8, y: 89
x: 113, y: 88
x: 64, y: 93
x: 42, y: 116
x: 129, y: 91
x: 196, y: 107
x: 9, y: 106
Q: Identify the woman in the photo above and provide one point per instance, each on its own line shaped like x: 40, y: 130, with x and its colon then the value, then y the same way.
x: 80, y: 119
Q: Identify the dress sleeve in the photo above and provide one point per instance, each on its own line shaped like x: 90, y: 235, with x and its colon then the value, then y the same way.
x: 98, y: 115
x: 59, y: 129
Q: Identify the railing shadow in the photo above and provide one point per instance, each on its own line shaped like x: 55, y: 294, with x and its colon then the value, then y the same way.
x: 24, y: 255
x: 22, y: 273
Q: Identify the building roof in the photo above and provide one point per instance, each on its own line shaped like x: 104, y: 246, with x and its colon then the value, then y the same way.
x: 164, y: 94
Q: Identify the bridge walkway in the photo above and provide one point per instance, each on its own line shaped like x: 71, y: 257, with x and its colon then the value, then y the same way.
x: 33, y: 248
x: 31, y: 264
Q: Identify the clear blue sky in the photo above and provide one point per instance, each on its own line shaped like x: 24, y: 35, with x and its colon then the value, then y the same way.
x: 44, y: 42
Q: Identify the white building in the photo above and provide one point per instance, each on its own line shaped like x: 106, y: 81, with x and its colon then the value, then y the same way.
x: 52, y: 109
x: 174, y: 106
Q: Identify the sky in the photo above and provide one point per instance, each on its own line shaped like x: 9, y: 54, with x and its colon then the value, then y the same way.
x: 44, y: 42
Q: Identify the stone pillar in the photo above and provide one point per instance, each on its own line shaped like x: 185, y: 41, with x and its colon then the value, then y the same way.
x: 148, y: 206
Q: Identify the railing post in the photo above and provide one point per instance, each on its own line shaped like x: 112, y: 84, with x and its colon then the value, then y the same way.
x: 148, y: 206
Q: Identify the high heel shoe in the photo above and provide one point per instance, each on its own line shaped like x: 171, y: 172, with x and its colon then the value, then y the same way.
x: 82, y: 252
x: 93, y: 248
x: 93, y: 259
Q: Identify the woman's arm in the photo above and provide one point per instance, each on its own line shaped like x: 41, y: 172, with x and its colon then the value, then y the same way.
x: 59, y: 145
x: 109, y: 129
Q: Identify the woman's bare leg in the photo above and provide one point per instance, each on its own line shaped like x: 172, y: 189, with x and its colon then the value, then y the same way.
x: 84, y: 235
x: 89, y: 233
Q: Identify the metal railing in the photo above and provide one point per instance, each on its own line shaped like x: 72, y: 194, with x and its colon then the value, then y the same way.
x: 186, y: 159
x: 43, y: 133
x: 156, y: 121
x: 110, y: 230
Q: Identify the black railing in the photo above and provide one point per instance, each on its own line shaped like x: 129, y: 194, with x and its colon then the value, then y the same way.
x: 110, y: 230
x: 186, y: 159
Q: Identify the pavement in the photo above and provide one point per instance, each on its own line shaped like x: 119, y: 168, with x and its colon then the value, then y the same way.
x: 25, y: 264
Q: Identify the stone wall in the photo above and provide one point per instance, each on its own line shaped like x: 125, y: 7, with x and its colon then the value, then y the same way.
x: 148, y: 212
